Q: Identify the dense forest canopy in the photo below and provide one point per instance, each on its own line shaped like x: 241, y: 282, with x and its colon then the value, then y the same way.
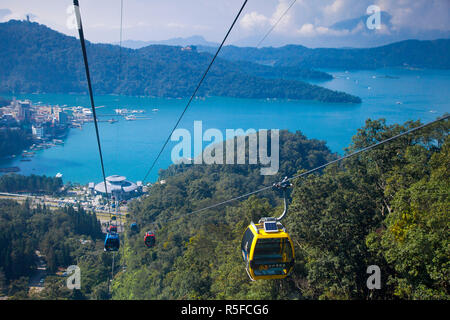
x: 16, y: 183
x: 13, y: 141
x: 56, y: 234
x: 387, y: 207
x: 29, y: 51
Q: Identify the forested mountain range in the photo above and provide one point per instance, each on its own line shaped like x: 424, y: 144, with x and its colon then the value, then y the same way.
x: 34, y: 58
x: 409, y: 53
x: 178, y: 41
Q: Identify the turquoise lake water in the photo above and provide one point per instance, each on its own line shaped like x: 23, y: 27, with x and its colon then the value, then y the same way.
x: 129, y: 147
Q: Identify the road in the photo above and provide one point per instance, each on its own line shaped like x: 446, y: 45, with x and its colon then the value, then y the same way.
x: 54, y: 203
x: 36, y: 282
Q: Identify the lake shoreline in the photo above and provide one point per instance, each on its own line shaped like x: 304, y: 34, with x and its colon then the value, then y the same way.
x: 131, y: 146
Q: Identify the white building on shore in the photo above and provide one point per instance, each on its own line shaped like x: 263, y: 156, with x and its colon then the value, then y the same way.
x: 117, y: 186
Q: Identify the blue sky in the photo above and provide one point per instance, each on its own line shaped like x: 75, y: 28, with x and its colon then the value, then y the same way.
x: 308, y: 22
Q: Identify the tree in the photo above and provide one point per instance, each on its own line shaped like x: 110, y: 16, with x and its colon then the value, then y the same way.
x: 18, y: 289
x: 415, y: 240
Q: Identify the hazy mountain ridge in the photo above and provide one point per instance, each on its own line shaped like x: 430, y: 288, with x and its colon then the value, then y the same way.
x: 178, y: 41
x: 409, y: 53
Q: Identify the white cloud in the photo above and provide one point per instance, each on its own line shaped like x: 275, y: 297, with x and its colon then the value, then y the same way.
x: 158, y: 20
x: 308, y: 19
x: 176, y: 25
x: 305, y: 17
x: 6, y: 15
x: 280, y: 10
x: 336, y: 7
x: 384, y: 30
x: 309, y: 30
x: 254, y: 20
x: 418, y: 14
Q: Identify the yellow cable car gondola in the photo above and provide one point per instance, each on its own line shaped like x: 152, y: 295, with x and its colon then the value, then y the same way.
x: 267, y: 249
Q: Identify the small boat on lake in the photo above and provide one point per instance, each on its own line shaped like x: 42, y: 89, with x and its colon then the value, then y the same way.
x: 27, y: 154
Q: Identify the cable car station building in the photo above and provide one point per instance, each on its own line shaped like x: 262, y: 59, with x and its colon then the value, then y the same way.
x: 118, y: 186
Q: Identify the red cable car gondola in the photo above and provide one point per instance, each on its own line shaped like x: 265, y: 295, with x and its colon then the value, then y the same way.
x: 149, y: 239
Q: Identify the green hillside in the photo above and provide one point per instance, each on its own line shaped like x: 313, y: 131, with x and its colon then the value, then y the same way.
x: 388, y: 207
x: 29, y: 50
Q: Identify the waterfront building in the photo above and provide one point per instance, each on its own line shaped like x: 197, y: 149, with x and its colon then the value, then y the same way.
x: 38, y: 132
x: 62, y: 117
x: 119, y: 187
x: 91, y: 188
x: 23, y: 111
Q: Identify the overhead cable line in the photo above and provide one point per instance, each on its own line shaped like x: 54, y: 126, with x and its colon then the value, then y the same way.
x: 276, y: 23
x: 119, y: 82
x: 195, y: 91
x: 324, y: 165
x: 120, y: 41
x: 91, y: 95
x: 120, y: 78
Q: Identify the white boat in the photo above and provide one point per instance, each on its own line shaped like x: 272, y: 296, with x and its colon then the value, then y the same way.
x: 121, y: 111
x: 131, y: 117
x: 59, y: 175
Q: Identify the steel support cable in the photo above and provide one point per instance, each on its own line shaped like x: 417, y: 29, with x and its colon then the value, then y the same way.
x: 195, y: 91
x: 112, y: 273
x: 220, y: 47
x: 119, y: 82
x: 306, y: 173
x: 259, y: 43
x: 91, y: 95
x: 123, y: 239
x: 118, y: 212
x: 276, y: 23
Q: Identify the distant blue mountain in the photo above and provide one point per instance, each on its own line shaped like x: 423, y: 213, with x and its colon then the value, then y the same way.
x: 194, y: 40
x: 410, y: 53
x: 351, y: 24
